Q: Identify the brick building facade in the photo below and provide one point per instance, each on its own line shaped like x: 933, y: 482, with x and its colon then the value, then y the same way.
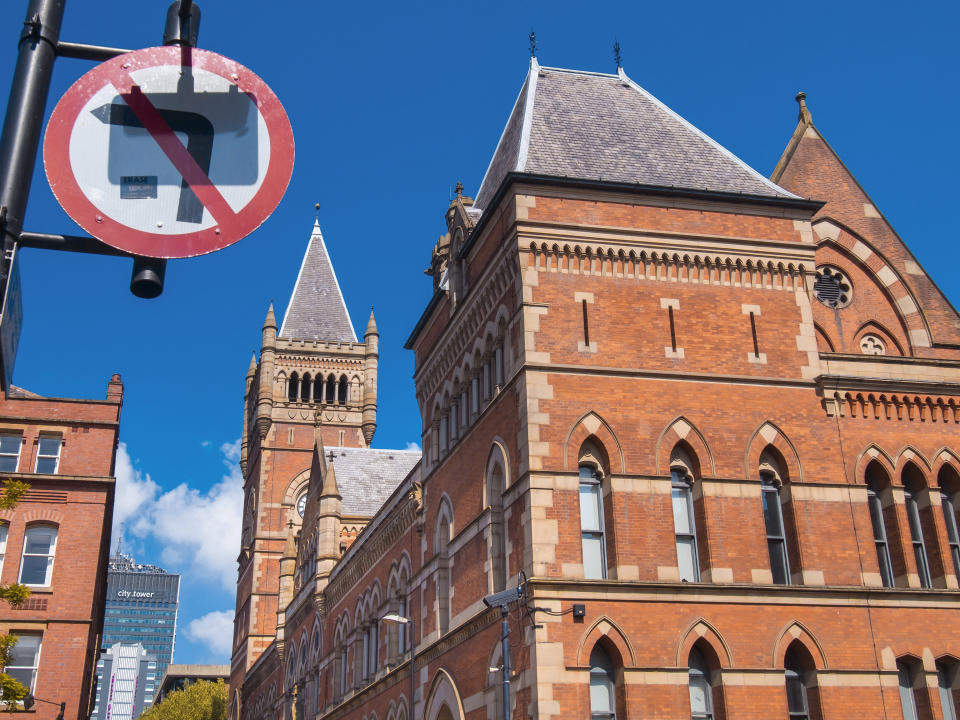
x: 709, y: 420
x: 57, y: 539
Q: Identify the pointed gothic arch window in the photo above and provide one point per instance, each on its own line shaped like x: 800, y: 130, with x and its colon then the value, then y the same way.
x: 496, y: 486
x: 876, y: 481
x: 331, y: 389
x: 342, y: 390
x: 800, y: 678
x: 684, y: 520
x: 948, y: 481
x: 318, y: 389
x: 293, y: 387
x: 770, y: 478
x: 603, y: 684
x: 305, y: 387
x: 912, y: 486
x: 701, y: 688
x: 441, y: 546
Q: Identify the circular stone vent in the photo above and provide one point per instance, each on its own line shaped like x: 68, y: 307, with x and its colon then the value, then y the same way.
x: 832, y: 287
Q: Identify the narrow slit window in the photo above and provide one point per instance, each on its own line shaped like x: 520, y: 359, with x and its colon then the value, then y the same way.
x: 950, y: 520
x: 591, y: 524
x: 880, y: 535
x: 916, y: 535
x: 586, y: 326
x: 753, y: 330
x: 673, y: 330
x: 776, y: 538
x: 684, y: 528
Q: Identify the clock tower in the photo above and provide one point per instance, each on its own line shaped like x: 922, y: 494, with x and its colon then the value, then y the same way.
x: 314, y: 380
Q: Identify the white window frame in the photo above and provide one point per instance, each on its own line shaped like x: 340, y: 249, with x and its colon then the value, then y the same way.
x: 50, y: 557
x: 680, y: 485
x: 56, y: 458
x: 18, y: 437
x: 35, y: 667
x: 4, y: 534
x: 590, y: 478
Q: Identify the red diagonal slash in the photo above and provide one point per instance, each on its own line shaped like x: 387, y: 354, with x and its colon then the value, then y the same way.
x: 183, y: 161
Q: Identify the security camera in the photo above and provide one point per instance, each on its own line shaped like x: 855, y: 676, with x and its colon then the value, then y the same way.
x: 502, y: 598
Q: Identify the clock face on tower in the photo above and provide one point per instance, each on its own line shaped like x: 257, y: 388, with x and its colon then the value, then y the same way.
x: 302, y: 504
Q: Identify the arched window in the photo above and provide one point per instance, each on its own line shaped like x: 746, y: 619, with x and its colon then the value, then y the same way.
x: 318, y: 389
x: 496, y: 485
x: 293, y: 387
x: 603, y: 685
x: 305, y: 387
x: 592, y: 532
x: 874, y: 477
x: 292, y: 666
x: 441, y: 542
x: 799, y: 670
x: 770, y: 478
x: 949, y: 483
x: 342, y: 390
x: 906, y: 678
x: 684, y: 522
x: 912, y: 485
x: 946, y: 680
x: 454, y: 418
x: 373, y: 640
x: 39, y: 547
x: 464, y: 408
x: 331, y: 389
x: 701, y: 689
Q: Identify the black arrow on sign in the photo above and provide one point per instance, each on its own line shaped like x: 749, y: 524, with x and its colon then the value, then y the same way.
x: 199, y: 133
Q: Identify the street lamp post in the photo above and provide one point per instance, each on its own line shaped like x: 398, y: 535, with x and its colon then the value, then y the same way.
x: 401, y: 620
x: 30, y: 699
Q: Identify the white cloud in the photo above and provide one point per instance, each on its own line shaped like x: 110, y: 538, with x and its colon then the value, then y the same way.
x: 215, y: 630
x: 200, y: 529
x: 205, y: 443
x: 413, y: 446
x: 134, y: 489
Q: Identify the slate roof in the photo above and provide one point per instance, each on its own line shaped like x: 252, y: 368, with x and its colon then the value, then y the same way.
x: 316, y: 310
x: 596, y: 126
x: 366, y: 477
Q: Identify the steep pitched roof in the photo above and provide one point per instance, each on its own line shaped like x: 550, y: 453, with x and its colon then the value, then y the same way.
x: 811, y: 167
x: 595, y: 126
x: 367, y: 477
x: 316, y: 310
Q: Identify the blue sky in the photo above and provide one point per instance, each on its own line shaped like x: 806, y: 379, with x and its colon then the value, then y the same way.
x: 391, y: 104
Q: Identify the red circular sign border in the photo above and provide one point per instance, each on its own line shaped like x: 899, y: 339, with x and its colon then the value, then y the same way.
x: 56, y: 157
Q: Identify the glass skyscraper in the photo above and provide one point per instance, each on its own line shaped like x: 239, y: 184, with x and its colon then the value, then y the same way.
x: 141, y: 609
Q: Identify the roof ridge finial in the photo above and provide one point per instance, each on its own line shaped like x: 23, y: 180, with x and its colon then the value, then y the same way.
x: 804, y: 116
x: 617, y: 58
x: 532, y: 37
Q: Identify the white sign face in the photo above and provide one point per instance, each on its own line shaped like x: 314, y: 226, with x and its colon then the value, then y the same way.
x: 169, y: 152
x: 136, y: 184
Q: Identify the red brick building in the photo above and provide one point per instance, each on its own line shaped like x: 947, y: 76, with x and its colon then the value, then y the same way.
x: 709, y: 420
x: 56, y: 541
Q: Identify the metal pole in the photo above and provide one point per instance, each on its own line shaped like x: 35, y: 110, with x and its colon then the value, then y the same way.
x: 24, y: 119
x: 505, y: 645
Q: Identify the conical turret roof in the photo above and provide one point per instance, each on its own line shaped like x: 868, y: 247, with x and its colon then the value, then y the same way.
x: 316, y: 310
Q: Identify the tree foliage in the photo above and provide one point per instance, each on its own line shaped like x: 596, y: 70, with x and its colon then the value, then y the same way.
x: 11, y: 689
x: 204, y: 700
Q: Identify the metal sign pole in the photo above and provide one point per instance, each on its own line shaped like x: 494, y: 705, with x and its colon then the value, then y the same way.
x: 24, y: 119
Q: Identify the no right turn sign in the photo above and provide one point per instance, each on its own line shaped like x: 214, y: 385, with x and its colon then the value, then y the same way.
x: 169, y: 152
